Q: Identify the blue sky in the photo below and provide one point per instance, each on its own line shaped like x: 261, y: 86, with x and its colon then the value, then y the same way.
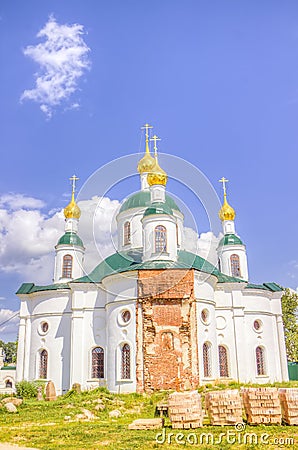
x: 218, y: 80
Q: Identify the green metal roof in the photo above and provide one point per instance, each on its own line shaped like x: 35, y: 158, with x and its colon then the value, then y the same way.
x: 142, y: 199
x: 158, y: 208
x: 8, y: 368
x: 230, y: 239
x: 128, y: 261
x: 70, y: 238
x: 29, y: 288
x: 273, y: 287
x: 132, y: 260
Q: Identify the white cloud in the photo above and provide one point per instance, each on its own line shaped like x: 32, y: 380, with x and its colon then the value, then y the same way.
x: 97, y: 229
x: 62, y: 59
x: 28, y: 237
x: 10, y: 321
x: 204, y: 245
x: 18, y: 201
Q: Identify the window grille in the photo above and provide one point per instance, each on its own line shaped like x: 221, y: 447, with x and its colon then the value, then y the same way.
x: 160, y: 239
x: 235, y: 266
x: 97, y: 363
x: 67, y: 266
x: 223, y: 361
x: 43, y: 368
x: 125, y: 362
x: 177, y: 234
x: 260, y: 360
x: 207, y: 359
x: 126, y: 234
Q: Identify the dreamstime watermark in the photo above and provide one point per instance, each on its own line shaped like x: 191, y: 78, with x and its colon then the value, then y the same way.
x: 231, y: 437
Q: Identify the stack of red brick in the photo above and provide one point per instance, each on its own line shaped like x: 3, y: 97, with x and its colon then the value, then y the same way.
x: 289, y: 405
x: 224, y: 407
x: 261, y: 405
x: 185, y: 409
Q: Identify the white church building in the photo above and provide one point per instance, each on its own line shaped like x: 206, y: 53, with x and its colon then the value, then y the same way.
x: 152, y: 315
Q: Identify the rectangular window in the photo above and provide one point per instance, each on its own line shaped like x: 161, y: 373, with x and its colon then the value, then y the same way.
x: 67, y: 266
x: 126, y: 233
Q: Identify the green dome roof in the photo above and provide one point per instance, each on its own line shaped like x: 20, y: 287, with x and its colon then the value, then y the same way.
x: 70, y: 238
x: 230, y: 239
x: 126, y: 261
x: 142, y: 199
x: 158, y: 208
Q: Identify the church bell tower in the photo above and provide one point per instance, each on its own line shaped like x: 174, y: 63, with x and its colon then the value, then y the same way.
x: 231, y: 250
x: 70, y: 248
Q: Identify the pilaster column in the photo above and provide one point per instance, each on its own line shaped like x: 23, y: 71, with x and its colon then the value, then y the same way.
x: 21, y: 349
x: 27, y: 349
x: 282, y: 349
x: 76, y: 357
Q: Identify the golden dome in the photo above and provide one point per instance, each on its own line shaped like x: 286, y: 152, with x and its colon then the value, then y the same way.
x: 72, y: 211
x: 226, y: 212
x: 157, y: 175
x: 146, y: 164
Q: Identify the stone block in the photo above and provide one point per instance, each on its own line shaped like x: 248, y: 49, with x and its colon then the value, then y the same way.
x: 50, y: 391
x: 146, y: 424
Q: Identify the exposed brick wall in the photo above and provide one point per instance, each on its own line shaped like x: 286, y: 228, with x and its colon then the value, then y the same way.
x: 166, y: 330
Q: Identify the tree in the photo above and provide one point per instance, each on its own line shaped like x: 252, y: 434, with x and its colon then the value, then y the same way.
x: 289, y: 304
x: 10, y: 351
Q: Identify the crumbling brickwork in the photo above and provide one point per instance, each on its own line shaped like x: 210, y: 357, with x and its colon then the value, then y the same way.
x: 167, y: 356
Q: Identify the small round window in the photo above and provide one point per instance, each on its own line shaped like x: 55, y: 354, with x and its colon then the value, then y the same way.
x: 43, y: 327
x: 205, y: 316
x: 124, y: 317
x: 258, y: 325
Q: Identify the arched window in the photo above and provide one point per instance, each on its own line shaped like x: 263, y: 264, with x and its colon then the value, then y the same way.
x: 43, y: 365
x: 167, y: 340
x: 260, y: 361
x: 223, y: 361
x: 67, y: 266
x: 126, y: 233
x: 97, y: 363
x: 235, y: 266
x: 125, y: 362
x: 8, y: 384
x: 207, y: 359
x: 160, y: 239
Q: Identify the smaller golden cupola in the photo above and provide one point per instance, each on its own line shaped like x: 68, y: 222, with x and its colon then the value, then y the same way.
x: 157, y: 175
x: 146, y: 164
x: 72, y: 211
x: 226, y: 212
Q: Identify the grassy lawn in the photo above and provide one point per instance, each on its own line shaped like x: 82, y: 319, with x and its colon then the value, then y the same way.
x: 43, y: 425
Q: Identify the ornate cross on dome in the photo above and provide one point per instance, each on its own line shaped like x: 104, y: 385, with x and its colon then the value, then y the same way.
x: 155, y: 139
x: 223, y: 180
x: 147, y: 127
x: 73, y: 180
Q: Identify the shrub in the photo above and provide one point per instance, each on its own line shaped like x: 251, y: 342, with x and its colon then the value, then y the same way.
x: 28, y: 389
